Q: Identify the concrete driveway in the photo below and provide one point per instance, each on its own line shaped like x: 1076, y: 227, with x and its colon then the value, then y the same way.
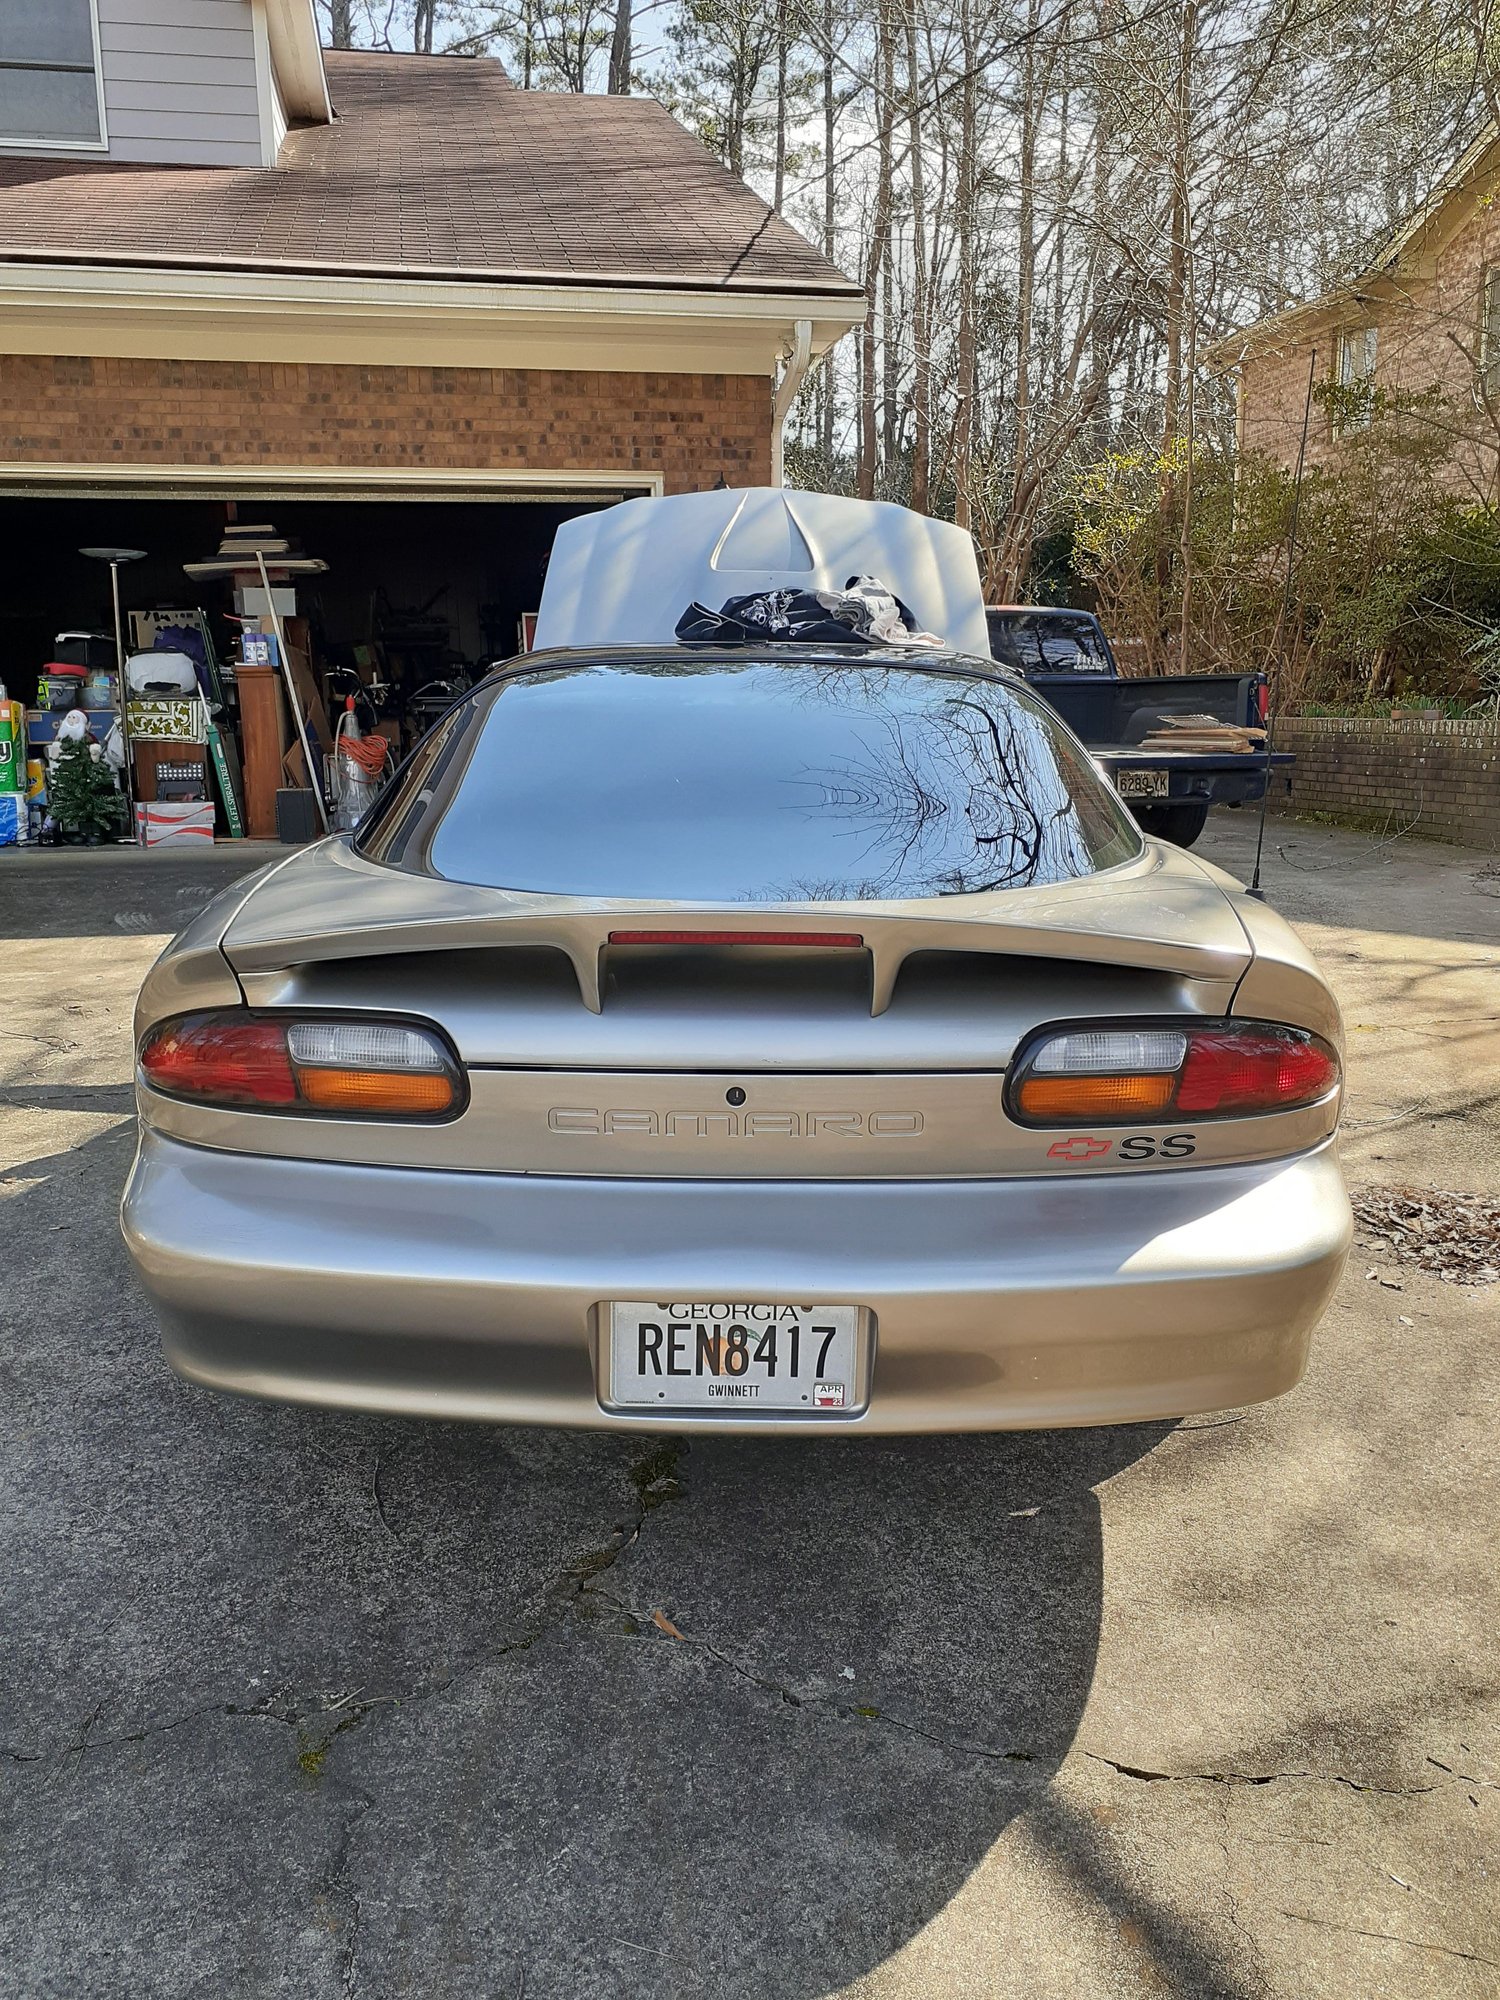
x: 304, y: 1704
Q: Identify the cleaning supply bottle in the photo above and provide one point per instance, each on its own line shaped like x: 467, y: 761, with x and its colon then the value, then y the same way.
x: 12, y: 745
x: 13, y: 814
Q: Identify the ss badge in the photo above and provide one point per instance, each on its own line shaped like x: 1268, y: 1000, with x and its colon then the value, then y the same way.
x: 1176, y: 1146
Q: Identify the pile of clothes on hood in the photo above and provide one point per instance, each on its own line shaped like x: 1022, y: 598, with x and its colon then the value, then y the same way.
x: 863, y: 612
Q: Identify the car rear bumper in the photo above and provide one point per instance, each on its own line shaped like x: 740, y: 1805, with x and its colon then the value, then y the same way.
x: 996, y: 1304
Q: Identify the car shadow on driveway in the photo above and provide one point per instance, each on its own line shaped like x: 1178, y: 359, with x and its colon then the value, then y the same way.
x: 302, y: 1703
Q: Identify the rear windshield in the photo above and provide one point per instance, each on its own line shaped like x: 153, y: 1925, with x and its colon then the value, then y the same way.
x: 752, y: 780
x: 1056, y: 642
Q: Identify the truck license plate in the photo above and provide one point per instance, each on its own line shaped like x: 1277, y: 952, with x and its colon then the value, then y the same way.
x: 733, y: 1356
x: 1141, y: 784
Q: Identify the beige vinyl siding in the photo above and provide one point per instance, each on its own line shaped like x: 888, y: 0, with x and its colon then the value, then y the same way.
x: 180, y: 81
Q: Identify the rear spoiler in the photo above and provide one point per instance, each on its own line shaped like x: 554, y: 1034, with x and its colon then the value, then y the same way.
x: 1159, y: 912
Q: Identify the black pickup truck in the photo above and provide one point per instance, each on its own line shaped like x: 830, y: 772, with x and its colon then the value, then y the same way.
x: 1067, y: 659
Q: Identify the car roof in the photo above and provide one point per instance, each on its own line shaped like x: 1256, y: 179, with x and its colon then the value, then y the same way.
x: 944, y: 659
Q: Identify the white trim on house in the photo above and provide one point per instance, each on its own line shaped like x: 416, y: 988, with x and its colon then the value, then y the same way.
x: 81, y: 478
x: 48, y: 147
x: 273, y: 123
x: 192, y: 313
x: 297, y: 57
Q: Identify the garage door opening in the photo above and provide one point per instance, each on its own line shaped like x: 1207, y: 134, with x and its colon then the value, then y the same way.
x: 419, y: 595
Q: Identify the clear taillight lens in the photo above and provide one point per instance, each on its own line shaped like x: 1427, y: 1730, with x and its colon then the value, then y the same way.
x: 373, y: 1069
x: 1130, y: 1075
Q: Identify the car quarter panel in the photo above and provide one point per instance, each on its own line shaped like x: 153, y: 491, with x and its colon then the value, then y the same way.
x: 192, y: 972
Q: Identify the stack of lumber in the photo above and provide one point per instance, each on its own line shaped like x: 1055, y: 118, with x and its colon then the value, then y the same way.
x: 1201, y: 733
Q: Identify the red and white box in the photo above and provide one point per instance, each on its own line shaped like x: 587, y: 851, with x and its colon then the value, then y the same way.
x: 175, y: 823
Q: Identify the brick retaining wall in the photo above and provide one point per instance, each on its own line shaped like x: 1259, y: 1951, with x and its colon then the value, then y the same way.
x: 1442, y: 778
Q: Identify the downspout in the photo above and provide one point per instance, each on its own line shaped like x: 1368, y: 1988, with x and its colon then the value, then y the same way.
x: 786, y: 390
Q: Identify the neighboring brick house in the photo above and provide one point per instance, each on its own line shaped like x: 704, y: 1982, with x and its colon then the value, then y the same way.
x: 220, y: 248
x: 1418, y: 329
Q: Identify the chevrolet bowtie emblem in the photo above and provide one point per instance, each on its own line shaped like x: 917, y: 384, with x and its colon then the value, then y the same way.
x: 1078, y: 1148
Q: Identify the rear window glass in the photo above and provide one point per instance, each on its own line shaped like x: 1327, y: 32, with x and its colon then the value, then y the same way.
x: 1047, y: 642
x: 758, y: 781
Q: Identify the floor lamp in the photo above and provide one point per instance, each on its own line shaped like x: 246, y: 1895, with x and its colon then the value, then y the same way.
x: 115, y: 557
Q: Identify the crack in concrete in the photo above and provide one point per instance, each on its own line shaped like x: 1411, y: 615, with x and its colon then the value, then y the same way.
x: 1258, y: 1778
x: 654, y: 1476
x: 1463, y: 1777
x: 86, y: 1741
x: 337, y: 1888
x: 1390, y: 1937
x: 1232, y: 1905
x: 806, y: 1698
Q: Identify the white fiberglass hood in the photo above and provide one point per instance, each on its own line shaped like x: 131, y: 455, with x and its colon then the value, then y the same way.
x: 625, y: 575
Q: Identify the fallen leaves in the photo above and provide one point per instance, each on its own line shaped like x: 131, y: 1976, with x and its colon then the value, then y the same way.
x: 1455, y: 1236
x: 664, y: 1624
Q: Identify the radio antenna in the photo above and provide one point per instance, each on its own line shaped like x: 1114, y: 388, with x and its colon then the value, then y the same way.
x: 1281, y: 619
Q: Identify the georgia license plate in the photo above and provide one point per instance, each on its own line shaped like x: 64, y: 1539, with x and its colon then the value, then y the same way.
x: 727, y: 1356
x: 1141, y: 784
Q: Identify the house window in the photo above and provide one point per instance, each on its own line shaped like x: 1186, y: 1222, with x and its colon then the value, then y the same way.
x: 1356, y: 377
x: 49, y: 73
x: 1489, y: 334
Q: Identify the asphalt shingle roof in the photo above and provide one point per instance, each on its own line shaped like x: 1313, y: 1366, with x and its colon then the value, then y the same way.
x: 434, y: 166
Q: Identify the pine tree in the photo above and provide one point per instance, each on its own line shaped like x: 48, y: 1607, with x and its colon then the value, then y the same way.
x: 81, y: 795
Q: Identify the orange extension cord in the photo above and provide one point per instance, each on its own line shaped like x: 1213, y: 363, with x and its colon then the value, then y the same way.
x: 369, y: 752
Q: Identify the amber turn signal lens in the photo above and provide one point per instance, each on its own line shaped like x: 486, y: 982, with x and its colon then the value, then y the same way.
x: 1069, y: 1100
x: 374, y: 1091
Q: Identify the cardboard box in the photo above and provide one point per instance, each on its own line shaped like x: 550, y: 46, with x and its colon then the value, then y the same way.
x: 173, y: 823
x: 43, y: 724
x: 250, y: 600
x: 184, y: 719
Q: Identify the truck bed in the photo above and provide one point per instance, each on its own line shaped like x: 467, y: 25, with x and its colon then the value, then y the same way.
x: 1121, y: 712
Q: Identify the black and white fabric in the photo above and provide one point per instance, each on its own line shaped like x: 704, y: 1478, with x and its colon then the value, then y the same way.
x: 864, y: 611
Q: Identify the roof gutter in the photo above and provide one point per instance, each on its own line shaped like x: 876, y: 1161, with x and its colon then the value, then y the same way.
x: 276, y: 315
x: 472, y: 274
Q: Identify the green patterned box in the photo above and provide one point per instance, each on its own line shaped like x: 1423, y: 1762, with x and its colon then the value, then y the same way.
x: 185, y: 717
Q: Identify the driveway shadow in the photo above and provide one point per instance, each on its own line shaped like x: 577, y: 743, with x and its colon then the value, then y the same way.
x: 301, y: 1703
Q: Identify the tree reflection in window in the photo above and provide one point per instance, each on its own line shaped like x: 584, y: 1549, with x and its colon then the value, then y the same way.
x: 976, y: 792
x: 757, y: 778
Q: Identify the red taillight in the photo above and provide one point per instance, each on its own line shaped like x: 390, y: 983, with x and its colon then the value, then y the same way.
x: 370, y: 1068
x: 846, y: 940
x: 1253, y: 1069
x: 222, y: 1060
x: 1151, y: 1072
x: 1263, y: 700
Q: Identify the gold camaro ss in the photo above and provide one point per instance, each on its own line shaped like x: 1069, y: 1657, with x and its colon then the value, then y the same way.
x: 772, y: 1036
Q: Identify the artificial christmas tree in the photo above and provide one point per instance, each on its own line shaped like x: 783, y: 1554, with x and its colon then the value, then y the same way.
x: 81, y: 795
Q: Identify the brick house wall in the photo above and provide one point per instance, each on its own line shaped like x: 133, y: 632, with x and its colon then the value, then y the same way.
x: 689, y: 428
x: 1437, y: 778
x: 1428, y: 337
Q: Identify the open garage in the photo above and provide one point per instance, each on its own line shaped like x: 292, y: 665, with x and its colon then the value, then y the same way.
x: 438, y: 319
